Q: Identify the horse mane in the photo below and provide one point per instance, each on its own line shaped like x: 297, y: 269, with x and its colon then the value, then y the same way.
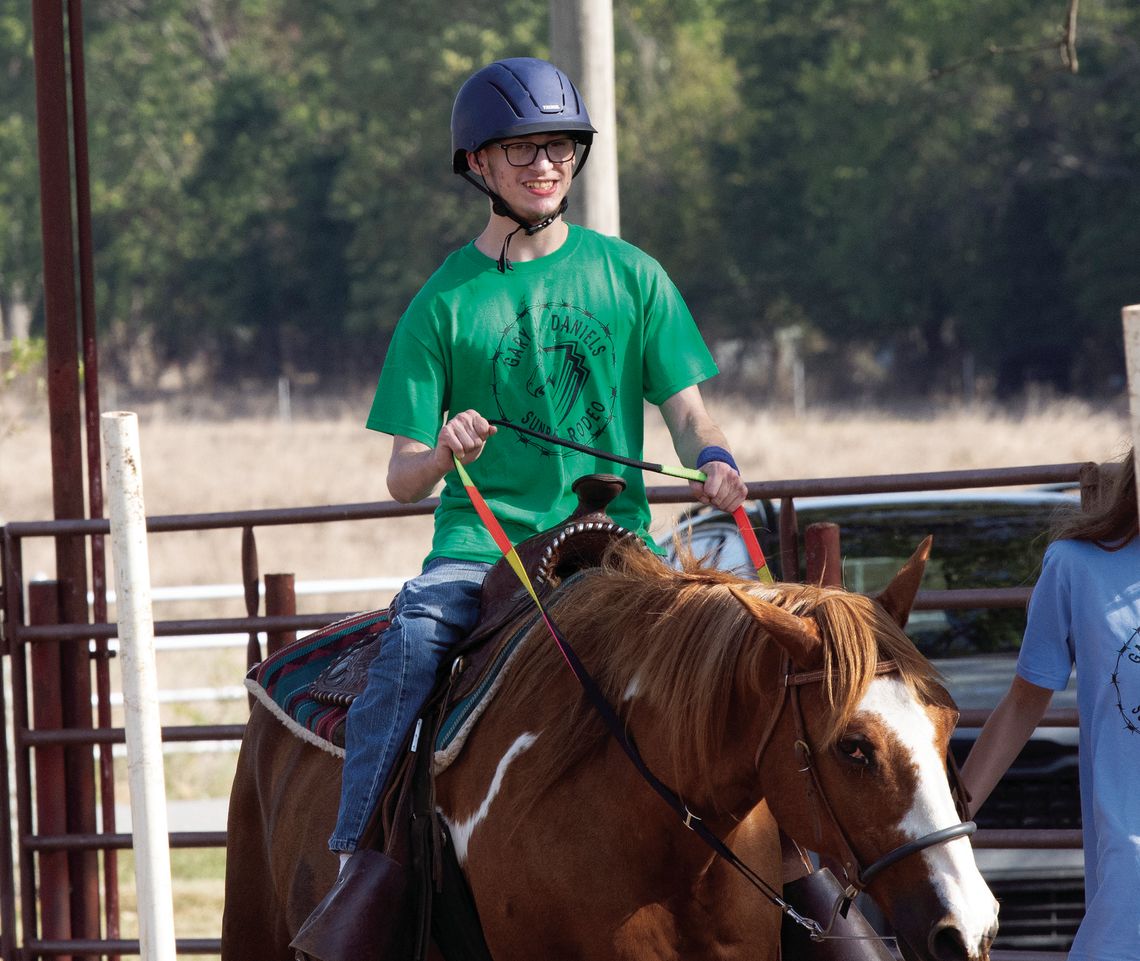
x: 680, y: 643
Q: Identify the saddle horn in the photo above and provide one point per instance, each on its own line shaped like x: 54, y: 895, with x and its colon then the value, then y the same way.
x: 595, y: 491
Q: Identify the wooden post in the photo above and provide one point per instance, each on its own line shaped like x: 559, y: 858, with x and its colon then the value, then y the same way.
x: 822, y: 555
x: 251, y: 582
x: 789, y: 542
x: 582, y: 44
x: 280, y: 601
x: 1132, y: 359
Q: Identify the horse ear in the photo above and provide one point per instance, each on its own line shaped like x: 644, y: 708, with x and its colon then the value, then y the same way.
x: 799, y: 636
x: 898, y: 596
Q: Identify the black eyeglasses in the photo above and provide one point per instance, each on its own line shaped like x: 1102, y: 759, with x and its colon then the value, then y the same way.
x: 525, y: 153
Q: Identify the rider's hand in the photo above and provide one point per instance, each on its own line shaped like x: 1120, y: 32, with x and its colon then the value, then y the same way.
x: 723, y: 488
x: 463, y: 436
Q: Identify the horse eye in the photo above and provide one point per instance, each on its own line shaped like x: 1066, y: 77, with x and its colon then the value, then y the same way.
x: 855, y: 749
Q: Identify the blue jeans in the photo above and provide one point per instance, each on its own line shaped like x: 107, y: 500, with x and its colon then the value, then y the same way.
x: 432, y: 612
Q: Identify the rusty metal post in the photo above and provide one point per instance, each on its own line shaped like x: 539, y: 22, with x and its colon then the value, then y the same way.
x: 91, y: 407
x: 14, y: 619
x: 21, y: 722
x: 54, y: 882
x: 823, y: 558
x: 60, y: 307
x: 75, y: 678
x: 789, y: 541
x: 1092, y: 485
x: 7, y: 868
x: 59, y: 289
x: 280, y: 601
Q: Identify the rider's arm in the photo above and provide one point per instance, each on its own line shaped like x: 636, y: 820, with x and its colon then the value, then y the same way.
x: 1002, y: 738
x: 692, y: 430
x: 414, y: 468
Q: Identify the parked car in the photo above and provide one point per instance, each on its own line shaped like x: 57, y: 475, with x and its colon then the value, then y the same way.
x: 981, y: 539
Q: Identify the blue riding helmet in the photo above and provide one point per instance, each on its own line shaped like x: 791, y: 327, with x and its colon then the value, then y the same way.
x: 513, y: 98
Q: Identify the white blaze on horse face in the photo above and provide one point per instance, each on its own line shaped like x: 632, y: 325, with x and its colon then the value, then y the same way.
x: 952, y: 868
x: 461, y: 831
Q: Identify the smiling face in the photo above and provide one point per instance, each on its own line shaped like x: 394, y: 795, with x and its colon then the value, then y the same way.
x: 534, y: 191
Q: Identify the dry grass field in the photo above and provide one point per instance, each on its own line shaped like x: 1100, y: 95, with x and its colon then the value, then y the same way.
x: 218, y: 464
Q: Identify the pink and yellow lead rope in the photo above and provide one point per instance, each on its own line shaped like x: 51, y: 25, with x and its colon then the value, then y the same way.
x: 496, y: 530
x: 491, y: 522
x: 751, y: 544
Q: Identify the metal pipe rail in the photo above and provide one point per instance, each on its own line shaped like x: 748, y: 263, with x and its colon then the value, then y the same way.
x: 113, y: 842
x: 116, y: 735
x: 372, y: 510
x: 114, y: 948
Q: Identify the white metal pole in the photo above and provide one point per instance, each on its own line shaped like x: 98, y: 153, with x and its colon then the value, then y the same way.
x: 140, y: 685
x: 1132, y: 359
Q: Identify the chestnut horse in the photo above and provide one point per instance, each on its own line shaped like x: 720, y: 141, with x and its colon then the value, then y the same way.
x: 572, y: 857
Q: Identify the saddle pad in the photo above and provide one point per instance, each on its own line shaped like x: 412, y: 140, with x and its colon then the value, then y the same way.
x: 462, y: 715
x: 287, y: 681
x: 283, y: 681
x: 284, y: 684
x: 465, y: 711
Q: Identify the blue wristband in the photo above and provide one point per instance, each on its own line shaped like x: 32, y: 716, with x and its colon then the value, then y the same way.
x: 716, y: 453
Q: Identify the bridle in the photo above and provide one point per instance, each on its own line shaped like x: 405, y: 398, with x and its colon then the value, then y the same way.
x: 857, y: 876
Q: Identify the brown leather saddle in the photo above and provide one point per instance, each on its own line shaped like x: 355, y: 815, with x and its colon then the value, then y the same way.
x: 578, y: 542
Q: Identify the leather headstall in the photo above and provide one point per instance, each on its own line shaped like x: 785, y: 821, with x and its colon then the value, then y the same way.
x: 856, y: 875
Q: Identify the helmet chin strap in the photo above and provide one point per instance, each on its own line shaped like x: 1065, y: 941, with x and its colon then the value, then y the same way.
x: 500, y: 207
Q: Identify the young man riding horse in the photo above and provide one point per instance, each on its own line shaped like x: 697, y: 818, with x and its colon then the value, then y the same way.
x: 536, y: 322
x: 760, y: 704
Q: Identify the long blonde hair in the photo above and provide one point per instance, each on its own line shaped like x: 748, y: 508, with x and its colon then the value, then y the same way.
x: 1114, y: 520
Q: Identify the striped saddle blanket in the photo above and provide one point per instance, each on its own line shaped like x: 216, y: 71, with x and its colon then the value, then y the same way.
x: 291, y: 683
x: 309, y: 685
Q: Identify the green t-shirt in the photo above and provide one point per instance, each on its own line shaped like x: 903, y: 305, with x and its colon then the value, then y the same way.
x: 571, y: 344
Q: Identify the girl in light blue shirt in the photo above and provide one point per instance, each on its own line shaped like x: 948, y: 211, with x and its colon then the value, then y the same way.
x: 1085, y: 612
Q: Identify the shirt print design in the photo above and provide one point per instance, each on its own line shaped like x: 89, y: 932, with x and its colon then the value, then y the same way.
x: 554, y: 370
x: 1126, y: 681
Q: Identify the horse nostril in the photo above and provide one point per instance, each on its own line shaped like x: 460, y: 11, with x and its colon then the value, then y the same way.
x: 947, y: 944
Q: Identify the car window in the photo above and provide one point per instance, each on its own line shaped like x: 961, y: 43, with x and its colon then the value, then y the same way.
x: 976, y: 545
x: 980, y: 541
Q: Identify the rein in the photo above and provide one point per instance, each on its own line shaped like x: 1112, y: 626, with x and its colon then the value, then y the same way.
x: 755, y: 554
x: 792, y: 682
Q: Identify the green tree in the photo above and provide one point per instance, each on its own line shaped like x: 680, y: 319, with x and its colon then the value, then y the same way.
x: 271, y: 178
x: 19, y: 179
x: 679, y: 100
x: 916, y: 189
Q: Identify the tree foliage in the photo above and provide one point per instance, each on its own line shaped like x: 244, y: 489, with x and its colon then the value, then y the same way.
x: 271, y: 178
